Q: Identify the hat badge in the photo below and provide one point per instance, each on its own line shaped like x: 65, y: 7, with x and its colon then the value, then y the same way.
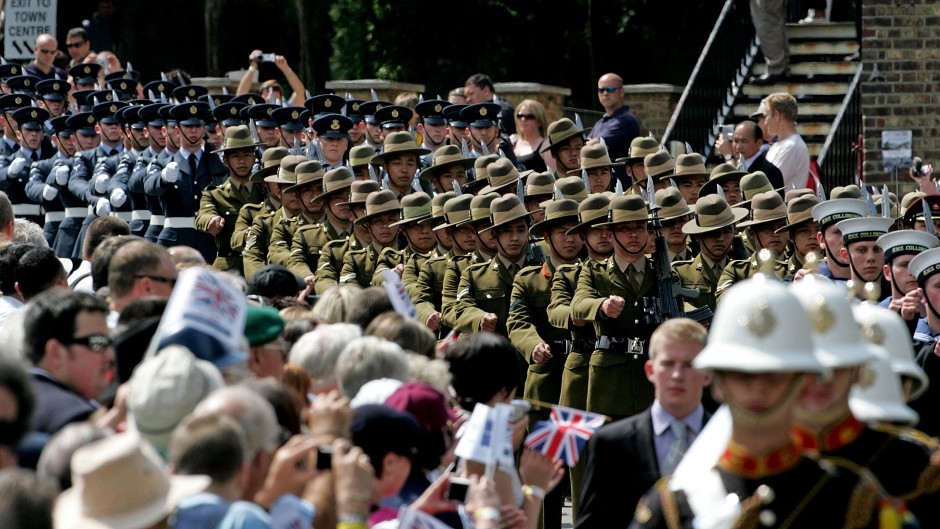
x: 33, y: 114
x: 113, y: 109
x: 15, y: 70
x: 18, y: 100
x: 122, y: 85
x: 26, y: 82
x: 438, y: 108
x: 295, y: 115
x: 233, y: 111
x: 482, y: 111
x: 394, y: 113
x: 192, y: 92
x: 335, y: 124
x: 760, y: 322
x: 866, y: 376
x: 161, y: 87
x: 55, y: 86
x: 378, y: 107
x: 269, y: 111
x: 327, y: 103
x: 355, y: 106
x: 822, y: 316
x: 87, y: 69
x: 873, y: 333
x: 192, y: 109
x: 91, y: 119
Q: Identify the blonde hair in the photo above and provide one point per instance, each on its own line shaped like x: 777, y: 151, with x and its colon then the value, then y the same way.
x: 783, y: 103
x: 537, y: 110
x: 680, y: 330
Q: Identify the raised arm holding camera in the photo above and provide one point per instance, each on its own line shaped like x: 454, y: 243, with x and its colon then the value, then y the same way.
x: 255, y: 58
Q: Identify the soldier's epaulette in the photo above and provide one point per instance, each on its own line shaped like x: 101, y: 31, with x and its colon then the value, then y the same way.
x: 908, y: 434
x: 676, y: 264
x: 478, y: 266
x: 211, y: 187
x: 529, y: 270
x: 252, y: 205
x: 360, y: 250
x: 566, y: 267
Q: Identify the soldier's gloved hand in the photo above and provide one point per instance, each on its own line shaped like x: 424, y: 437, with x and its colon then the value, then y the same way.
x: 171, y: 172
x: 49, y: 192
x: 612, y: 306
x: 16, y: 167
x: 118, y: 197
x: 101, y: 183
x: 103, y: 207
x: 488, y: 323
x: 62, y: 175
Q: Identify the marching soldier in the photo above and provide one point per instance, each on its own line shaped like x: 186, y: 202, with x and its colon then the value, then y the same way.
x: 270, y: 163
x: 382, y: 214
x: 331, y: 256
x: 925, y: 267
x: 135, y: 142
x: 432, y: 126
x: 539, y: 188
x: 41, y: 186
x: 181, y: 182
x: 448, y: 169
x: 565, y: 142
x: 484, y: 135
x: 574, y: 376
x: 713, y: 229
x: 481, y: 175
x: 421, y: 241
x: 393, y: 118
x: 171, y: 145
x: 674, y: 214
x: 861, y: 251
x: 409, y: 276
x: 827, y: 214
x: 132, y: 171
x: 483, y: 293
x: 309, y: 186
x: 52, y: 95
x: 611, y: 297
x: 900, y: 247
x: 802, y: 229
x: 356, y: 136
x: 219, y: 206
x: 728, y: 178
x: 502, y: 176
x: 456, y: 125
x: 11, y: 143
x: 370, y: 127
x: 310, y: 238
x: 768, y: 215
x: 595, y: 161
x: 259, y: 238
x: 399, y: 159
x: 634, y: 163
x: 761, y: 357
x: 30, y: 121
x: 360, y: 159
x: 900, y: 458
x: 84, y: 137
x: 288, y: 125
x: 428, y: 290
x: 333, y: 138
x: 484, y: 243
x: 690, y: 175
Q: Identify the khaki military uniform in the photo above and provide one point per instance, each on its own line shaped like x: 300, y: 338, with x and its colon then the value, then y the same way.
x: 226, y: 201
x: 617, y: 384
x: 743, y: 269
x: 696, y: 274
x: 246, y: 217
x: 484, y: 288
x: 331, y: 262
x: 389, y: 258
x: 794, y: 265
x: 359, y: 266
x: 306, y: 245
x: 283, y: 235
x: 412, y: 270
x: 428, y: 288
x: 454, y: 269
x: 255, y: 255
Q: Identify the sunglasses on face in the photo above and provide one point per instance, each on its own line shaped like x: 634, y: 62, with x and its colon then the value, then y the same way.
x: 608, y: 89
x: 526, y: 116
x: 75, y: 44
x: 96, y: 342
x: 159, y: 279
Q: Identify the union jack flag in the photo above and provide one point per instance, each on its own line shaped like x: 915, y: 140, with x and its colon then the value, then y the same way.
x: 564, y: 436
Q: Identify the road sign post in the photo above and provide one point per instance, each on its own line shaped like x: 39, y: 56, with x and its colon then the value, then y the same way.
x: 26, y: 20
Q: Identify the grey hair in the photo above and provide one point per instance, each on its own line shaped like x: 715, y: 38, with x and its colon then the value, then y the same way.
x: 250, y: 410
x: 28, y: 231
x: 370, y: 358
x: 318, y: 350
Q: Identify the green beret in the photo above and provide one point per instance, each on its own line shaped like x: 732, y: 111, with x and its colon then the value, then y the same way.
x: 262, y: 325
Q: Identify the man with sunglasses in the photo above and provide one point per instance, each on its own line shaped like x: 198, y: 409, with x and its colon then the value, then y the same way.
x: 137, y: 269
x: 618, y: 126
x: 42, y: 67
x: 68, y: 342
x: 79, y: 46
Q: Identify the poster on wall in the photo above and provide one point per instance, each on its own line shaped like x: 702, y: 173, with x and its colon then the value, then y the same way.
x: 896, y: 150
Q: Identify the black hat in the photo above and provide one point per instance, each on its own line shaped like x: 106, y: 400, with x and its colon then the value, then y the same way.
x: 190, y: 92
x: 193, y: 114
x: 9, y: 102
x: 81, y: 98
x: 9, y: 70
x: 24, y: 84
x: 352, y: 110
x: 250, y: 99
x: 332, y: 126
x: 325, y: 104
x: 166, y: 115
x: 153, y: 89
x: 228, y: 113
x: 52, y: 89
x: 305, y: 119
x: 132, y: 75
x: 31, y: 118
x: 262, y: 114
x: 124, y: 87
x: 129, y: 116
x: 288, y: 118
x: 394, y: 117
x: 481, y: 114
x: 150, y: 114
x: 105, y: 112
x: 99, y: 96
x: 432, y: 111
x: 59, y: 124
x: 453, y: 116
x: 273, y: 281
x: 85, y: 74
x: 216, y: 99
x: 379, y: 430
x: 369, y: 108
x: 83, y: 122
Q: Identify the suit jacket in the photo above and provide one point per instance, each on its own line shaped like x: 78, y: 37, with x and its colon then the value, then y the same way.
x: 620, y: 467
x: 56, y: 405
x: 773, y: 173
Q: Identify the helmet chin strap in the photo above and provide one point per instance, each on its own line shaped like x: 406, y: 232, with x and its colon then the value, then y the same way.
x: 624, y: 248
x: 930, y: 306
x: 770, y: 416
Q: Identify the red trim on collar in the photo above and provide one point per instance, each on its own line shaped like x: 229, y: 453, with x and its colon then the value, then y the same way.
x: 842, y: 434
x: 737, y: 460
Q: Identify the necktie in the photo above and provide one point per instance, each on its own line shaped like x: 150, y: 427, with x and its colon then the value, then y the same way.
x: 679, y: 446
x: 192, y: 165
x: 113, y: 152
x: 34, y: 157
x: 514, y: 269
x: 632, y: 278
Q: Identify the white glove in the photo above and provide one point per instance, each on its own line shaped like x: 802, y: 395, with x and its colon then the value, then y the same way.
x: 103, y: 207
x: 16, y: 167
x: 171, y: 172
x: 118, y: 197
x: 101, y: 183
x: 49, y: 192
x: 62, y: 175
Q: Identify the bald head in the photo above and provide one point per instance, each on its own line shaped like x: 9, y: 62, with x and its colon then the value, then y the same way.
x: 610, y: 92
x: 45, y: 50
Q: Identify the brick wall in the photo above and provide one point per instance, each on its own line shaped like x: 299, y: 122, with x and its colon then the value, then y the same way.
x: 653, y: 105
x: 901, y: 38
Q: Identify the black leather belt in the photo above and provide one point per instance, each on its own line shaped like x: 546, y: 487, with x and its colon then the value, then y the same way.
x: 621, y: 344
